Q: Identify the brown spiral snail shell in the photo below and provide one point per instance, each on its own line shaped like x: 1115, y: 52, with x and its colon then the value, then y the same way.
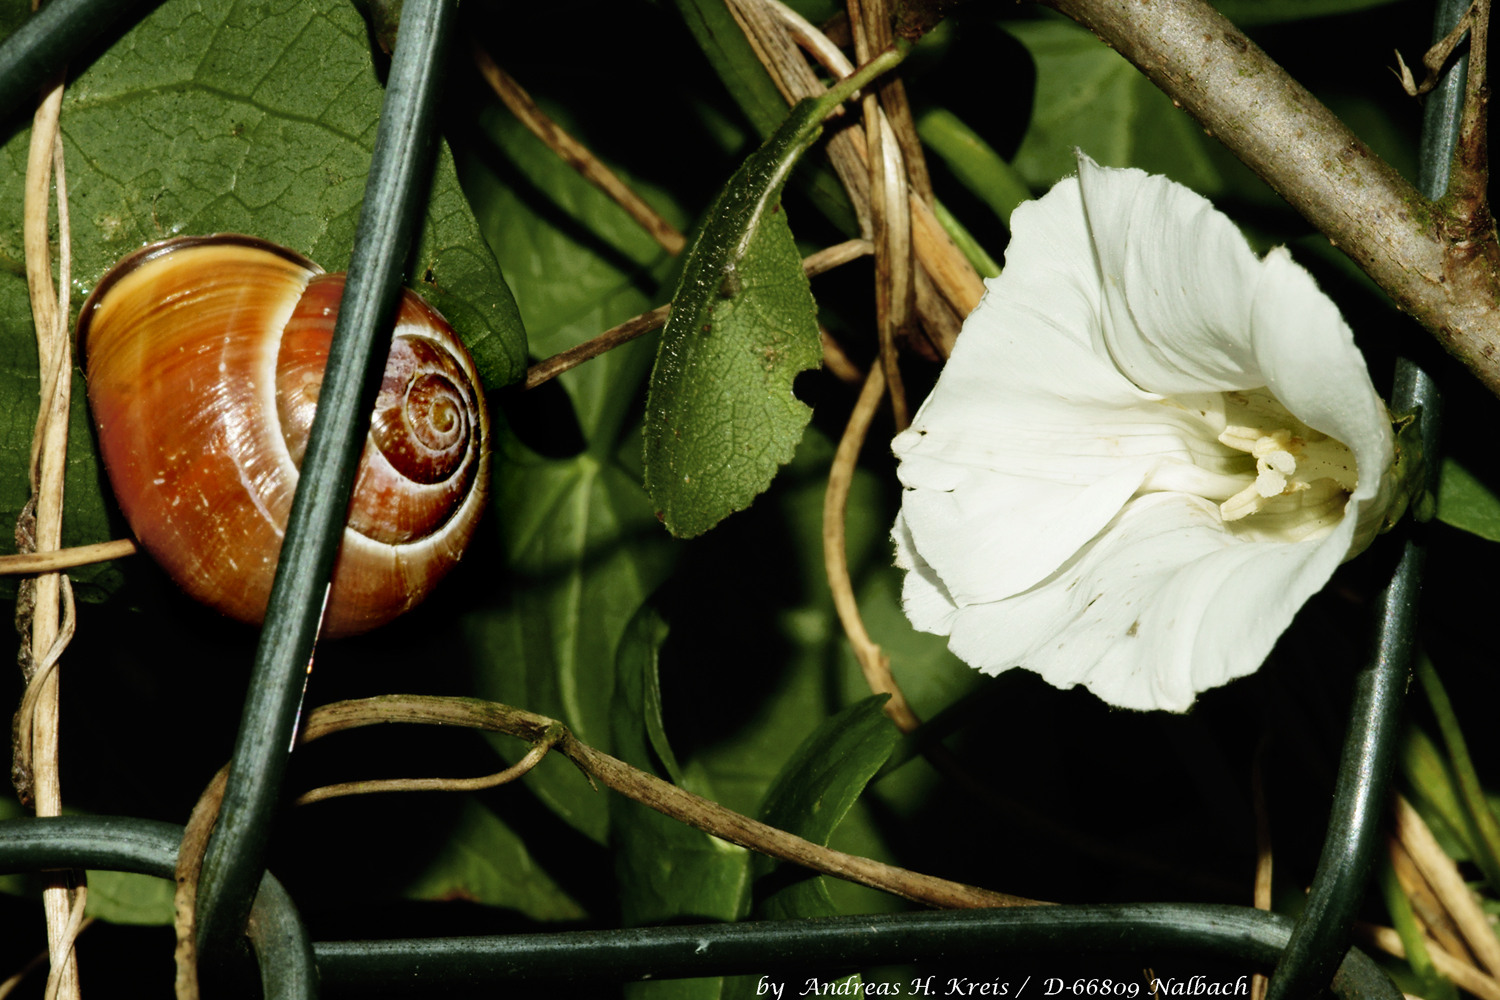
x: 204, y: 359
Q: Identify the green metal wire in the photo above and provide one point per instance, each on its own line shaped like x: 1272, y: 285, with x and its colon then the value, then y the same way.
x: 1310, y: 952
x: 1322, y: 931
x: 1339, y: 885
x: 1444, y: 108
x: 830, y: 945
x: 146, y: 847
x: 1218, y: 932
x: 49, y: 39
x: 395, y: 195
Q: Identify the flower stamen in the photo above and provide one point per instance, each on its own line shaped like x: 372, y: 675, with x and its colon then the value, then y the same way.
x: 1288, y: 460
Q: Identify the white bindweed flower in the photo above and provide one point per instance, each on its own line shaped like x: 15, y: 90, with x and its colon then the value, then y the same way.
x: 1148, y: 449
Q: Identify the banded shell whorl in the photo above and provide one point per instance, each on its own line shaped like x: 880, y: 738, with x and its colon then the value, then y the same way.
x: 205, y: 357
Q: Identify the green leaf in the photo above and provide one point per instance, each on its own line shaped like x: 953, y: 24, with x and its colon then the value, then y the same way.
x: 582, y: 547
x: 665, y: 870
x: 811, y: 796
x: 216, y: 117
x: 1466, y: 503
x: 128, y: 898
x: 574, y: 277
x: 815, y: 790
x: 483, y: 861
x: 978, y: 167
x: 731, y: 56
x: 1483, y: 827
x: 1247, y: 13
x: 1434, y: 792
x: 801, y: 692
x: 584, y: 552
x: 640, y: 735
x: 1089, y: 97
x: 752, y: 88
x: 721, y: 417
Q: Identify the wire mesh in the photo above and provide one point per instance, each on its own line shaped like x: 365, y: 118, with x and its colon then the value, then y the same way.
x: 237, y: 891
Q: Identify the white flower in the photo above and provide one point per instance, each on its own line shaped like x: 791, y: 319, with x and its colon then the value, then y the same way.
x: 1148, y: 449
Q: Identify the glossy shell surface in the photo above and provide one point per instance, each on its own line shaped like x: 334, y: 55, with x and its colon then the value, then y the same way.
x: 204, y: 360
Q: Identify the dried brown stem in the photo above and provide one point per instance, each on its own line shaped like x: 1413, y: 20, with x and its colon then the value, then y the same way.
x: 50, y: 445
x: 836, y: 361
x: 1464, y: 975
x: 660, y: 795
x: 38, y: 960
x: 1469, y: 181
x: 576, y: 155
x: 1434, y: 59
x: 1424, y: 902
x: 544, y: 371
x: 200, y: 826
x: 947, y: 286
x: 904, y: 126
x: 1447, y: 884
x: 532, y: 759
x: 1435, y: 264
x: 26, y: 749
x: 890, y: 214
x: 1263, y: 855
x: 61, y: 559
x: 874, y: 664
x: 835, y: 256
x: 63, y: 953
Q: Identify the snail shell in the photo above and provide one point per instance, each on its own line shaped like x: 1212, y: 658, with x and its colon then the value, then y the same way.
x: 204, y: 360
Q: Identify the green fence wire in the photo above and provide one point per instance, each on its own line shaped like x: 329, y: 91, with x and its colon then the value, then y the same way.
x: 50, y: 39
x: 238, y: 893
x: 147, y: 847
x: 395, y: 196
x: 825, y: 945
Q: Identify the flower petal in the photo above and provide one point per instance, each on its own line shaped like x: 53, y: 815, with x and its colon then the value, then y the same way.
x: 925, y: 600
x: 1178, y: 282
x: 1162, y: 605
x: 1033, y: 439
x: 1062, y: 478
x: 1306, y: 354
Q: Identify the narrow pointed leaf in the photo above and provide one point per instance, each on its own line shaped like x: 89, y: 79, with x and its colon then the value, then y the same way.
x: 1466, y: 503
x: 721, y: 417
x: 814, y: 792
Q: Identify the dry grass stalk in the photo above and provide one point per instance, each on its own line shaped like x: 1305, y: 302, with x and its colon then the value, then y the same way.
x: 577, y: 155
x: 890, y: 212
x: 40, y: 959
x: 942, y: 271
x: 200, y: 826
x: 1263, y: 855
x: 1447, y: 884
x: 49, y: 306
x: 1425, y: 903
x: 61, y: 559
x: 837, y: 361
x: 1464, y: 975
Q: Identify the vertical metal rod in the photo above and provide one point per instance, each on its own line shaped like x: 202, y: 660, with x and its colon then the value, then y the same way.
x: 395, y: 195
x: 1321, y: 938
x: 1322, y: 934
x: 1444, y: 108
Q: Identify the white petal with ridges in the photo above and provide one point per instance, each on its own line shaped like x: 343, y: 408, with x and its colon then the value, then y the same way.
x: 1064, y: 477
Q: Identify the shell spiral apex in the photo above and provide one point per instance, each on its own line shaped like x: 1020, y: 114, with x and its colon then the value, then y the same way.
x: 205, y: 358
